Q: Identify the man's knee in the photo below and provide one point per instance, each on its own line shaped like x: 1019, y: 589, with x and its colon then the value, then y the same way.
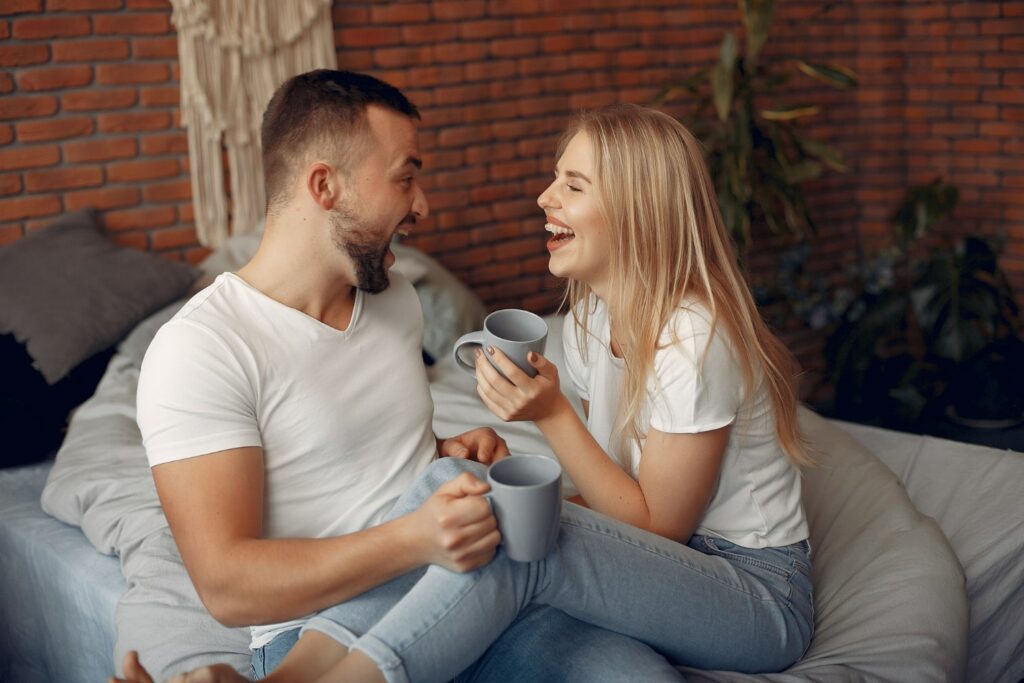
x: 438, y: 472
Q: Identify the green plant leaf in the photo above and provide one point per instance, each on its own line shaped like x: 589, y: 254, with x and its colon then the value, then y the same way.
x: 921, y: 208
x: 722, y: 77
x: 790, y: 113
x: 757, y: 18
x: 829, y: 155
x: 831, y: 74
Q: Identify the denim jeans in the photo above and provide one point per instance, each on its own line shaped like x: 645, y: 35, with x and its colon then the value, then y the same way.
x: 543, y: 644
x: 710, y: 604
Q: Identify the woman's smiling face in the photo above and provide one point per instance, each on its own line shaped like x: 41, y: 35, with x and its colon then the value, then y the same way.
x: 579, y: 242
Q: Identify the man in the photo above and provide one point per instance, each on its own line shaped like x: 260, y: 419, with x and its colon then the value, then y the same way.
x: 285, y: 409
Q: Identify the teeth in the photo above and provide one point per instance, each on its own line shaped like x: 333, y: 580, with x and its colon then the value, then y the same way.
x: 403, y: 233
x: 558, y: 229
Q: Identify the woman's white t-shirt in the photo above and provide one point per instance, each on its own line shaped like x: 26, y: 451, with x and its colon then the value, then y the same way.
x: 697, y: 387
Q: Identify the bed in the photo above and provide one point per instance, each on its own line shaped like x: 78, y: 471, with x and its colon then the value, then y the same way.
x: 919, y: 542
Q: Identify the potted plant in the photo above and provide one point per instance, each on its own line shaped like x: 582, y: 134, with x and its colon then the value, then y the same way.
x: 757, y: 153
x: 937, y: 333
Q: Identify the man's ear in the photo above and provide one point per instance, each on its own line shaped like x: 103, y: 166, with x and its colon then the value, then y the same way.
x: 323, y: 185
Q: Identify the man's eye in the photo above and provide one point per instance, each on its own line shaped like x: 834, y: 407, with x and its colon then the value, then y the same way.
x: 574, y: 188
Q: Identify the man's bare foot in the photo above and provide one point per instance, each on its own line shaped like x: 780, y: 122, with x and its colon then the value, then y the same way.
x: 218, y: 673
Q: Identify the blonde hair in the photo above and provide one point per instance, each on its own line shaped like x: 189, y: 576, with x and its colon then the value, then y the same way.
x: 668, y: 242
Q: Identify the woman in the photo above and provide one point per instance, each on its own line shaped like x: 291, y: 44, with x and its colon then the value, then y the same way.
x: 690, y: 449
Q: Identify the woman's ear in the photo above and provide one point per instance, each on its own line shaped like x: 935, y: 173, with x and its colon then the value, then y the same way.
x: 323, y: 185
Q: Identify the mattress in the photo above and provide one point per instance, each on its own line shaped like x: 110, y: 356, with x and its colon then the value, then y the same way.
x: 57, y: 594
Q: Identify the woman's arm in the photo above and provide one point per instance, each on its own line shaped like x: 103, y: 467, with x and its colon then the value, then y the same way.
x: 678, y: 472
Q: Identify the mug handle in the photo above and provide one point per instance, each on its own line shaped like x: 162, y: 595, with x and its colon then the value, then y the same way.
x: 470, y: 338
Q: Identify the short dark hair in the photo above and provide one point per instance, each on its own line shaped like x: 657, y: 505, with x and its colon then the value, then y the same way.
x: 324, y: 107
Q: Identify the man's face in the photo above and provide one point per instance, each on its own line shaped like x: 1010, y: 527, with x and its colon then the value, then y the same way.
x: 383, y: 198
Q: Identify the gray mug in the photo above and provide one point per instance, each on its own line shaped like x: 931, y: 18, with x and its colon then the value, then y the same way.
x: 515, y: 331
x: 526, y: 496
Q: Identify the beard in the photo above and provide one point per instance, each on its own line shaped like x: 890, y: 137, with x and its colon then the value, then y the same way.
x: 367, y: 251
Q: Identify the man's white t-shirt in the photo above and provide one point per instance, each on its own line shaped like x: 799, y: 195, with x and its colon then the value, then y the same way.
x: 343, y: 417
x: 757, y: 501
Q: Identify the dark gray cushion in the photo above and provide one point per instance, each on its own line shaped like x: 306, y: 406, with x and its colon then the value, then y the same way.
x: 67, y: 292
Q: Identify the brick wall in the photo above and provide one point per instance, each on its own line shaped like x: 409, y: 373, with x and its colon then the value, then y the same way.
x: 88, y: 116
x: 89, y: 93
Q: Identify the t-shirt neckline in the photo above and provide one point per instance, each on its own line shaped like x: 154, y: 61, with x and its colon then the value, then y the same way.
x: 347, y: 332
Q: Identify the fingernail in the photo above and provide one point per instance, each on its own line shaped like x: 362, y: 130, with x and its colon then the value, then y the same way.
x: 477, y: 353
x: 533, y: 356
x: 490, y: 350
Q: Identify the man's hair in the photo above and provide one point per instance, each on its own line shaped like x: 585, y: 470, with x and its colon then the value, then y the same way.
x: 322, y: 110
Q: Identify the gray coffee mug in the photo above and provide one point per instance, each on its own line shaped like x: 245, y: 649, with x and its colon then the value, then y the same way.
x: 526, y: 496
x: 515, y: 331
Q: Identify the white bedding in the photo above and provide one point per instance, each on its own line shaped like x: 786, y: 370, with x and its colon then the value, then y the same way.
x: 885, y: 628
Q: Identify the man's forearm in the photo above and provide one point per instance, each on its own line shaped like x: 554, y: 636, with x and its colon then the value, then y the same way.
x: 262, y: 581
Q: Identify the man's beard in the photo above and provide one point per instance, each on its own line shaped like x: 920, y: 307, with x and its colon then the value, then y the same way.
x: 367, y: 253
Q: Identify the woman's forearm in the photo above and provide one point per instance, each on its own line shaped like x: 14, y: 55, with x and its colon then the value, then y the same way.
x: 604, y: 485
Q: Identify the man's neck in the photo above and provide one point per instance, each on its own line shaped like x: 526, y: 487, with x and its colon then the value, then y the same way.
x: 288, y: 268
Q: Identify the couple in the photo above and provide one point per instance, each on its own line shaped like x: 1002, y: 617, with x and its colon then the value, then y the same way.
x: 279, y: 444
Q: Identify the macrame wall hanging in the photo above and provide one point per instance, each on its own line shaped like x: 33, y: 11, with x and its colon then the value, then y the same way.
x: 233, y: 54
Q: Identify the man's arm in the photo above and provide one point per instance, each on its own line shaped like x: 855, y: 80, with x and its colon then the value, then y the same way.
x: 214, y: 505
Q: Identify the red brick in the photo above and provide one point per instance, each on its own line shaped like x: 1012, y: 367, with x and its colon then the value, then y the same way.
x: 155, y: 48
x: 173, y: 238
x: 100, y: 150
x: 186, y: 213
x: 166, y: 96
x: 27, y: 107
x: 164, y: 143
x: 50, y: 27
x: 165, y: 192
x: 131, y: 219
x: 978, y: 145
x: 82, y: 5
x: 394, y: 57
x: 458, y: 9
x: 102, y: 199
x: 96, y: 99
x: 54, y: 129
x: 12, y: 232
x: 63, y: 178
x: 455, y: 52
x: 404, y: 13
x: 6, y: 82
x: 428, y: 33
x: 54, y: 78
x: 123, y: 74
x: 5, y: 30
x: 35, y: 156
x: 132, y: 122
x: 90, y: 50
x: 10, y: 183
x: 28, y: 207
x: 485, y: 28
x: 132, y: 240
x: 149, y: 4
x: 131, y: 24
x: 23, y: 55
x: 6, y: 133
x: 1005, y: 27
x: 131, y: 171
x: 1004, y: 96
x: 21, y: 6
x: 367, y: 37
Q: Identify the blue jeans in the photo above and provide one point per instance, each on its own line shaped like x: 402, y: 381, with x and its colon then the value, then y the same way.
x: 710, y: 604
x: 543, y: 644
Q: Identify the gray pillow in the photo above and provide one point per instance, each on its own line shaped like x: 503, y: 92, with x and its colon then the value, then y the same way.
x: 67, y: 292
